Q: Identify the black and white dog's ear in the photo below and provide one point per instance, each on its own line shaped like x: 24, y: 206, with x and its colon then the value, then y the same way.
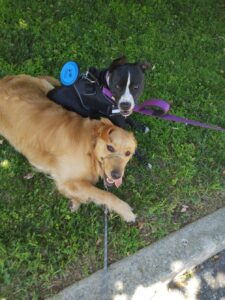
x: 118, y: 62
x: 145, y: 66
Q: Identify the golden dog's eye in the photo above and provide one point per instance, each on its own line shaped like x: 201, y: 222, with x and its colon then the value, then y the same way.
x: 110, y: 148
x: 127, y: 153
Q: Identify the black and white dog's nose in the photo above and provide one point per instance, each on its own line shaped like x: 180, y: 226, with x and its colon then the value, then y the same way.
x: 125, y: 105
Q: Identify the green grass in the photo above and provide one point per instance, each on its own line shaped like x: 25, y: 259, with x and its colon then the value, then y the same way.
x: 44, y: 247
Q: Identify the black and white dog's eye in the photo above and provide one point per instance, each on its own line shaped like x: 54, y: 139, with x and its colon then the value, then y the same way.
x: 117, y: 86
x: 136, y: 87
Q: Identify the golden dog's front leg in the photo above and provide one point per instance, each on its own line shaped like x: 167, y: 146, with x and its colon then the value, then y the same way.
x: 83, y: 192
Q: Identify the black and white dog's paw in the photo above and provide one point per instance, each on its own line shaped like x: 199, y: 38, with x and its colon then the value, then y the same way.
x: 137, y: 125
x: 142, y: 158
x: 142, y: 128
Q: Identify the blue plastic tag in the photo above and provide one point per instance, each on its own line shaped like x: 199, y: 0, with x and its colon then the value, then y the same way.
x: 69, y: 73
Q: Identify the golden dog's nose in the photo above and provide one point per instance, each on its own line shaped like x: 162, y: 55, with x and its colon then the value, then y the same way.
x: 115, y: 174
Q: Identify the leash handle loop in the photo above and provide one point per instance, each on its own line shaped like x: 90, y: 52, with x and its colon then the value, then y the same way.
x: 153, y: 107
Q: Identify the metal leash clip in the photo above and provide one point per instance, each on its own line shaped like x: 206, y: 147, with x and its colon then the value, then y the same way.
x: 88, y: 76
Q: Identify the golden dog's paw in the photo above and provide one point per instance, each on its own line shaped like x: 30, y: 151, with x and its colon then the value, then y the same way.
x: 126, y: 212
x: 130, y: 217
x: 73, y: 205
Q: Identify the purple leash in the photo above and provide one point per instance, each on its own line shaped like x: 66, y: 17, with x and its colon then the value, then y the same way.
x: 159, y: 108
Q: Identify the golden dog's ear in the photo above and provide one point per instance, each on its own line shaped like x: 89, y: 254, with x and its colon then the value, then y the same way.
x: 105, y: 128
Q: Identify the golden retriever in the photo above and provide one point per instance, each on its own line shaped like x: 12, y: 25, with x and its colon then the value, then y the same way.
x: 75, y: 151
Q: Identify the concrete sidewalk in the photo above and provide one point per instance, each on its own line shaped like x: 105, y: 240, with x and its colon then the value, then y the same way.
x: 145, y: 275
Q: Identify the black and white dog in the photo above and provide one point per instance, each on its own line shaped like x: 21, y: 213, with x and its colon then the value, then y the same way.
x: 126, y: 83
x: 111, y: 92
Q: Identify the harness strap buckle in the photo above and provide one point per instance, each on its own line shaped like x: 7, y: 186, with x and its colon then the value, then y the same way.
x: 88, y: 76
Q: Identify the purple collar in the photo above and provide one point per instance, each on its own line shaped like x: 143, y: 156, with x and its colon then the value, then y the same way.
x: 105, y: 90
x: 108, y: 93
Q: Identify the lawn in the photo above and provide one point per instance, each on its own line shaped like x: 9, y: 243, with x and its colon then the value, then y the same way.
x: 44, y: 247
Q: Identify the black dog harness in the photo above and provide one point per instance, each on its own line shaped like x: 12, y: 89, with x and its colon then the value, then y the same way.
x: 85, y: 97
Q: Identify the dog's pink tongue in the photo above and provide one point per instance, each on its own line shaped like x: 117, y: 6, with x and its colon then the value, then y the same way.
x: 118, y: 182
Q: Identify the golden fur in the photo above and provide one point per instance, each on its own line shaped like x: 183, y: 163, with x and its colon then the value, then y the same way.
x: 72, y: 149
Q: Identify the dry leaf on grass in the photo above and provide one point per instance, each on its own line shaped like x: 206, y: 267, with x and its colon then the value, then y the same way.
x: 98, y: 242
x: 184, y: 208
x: 140, y: 225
